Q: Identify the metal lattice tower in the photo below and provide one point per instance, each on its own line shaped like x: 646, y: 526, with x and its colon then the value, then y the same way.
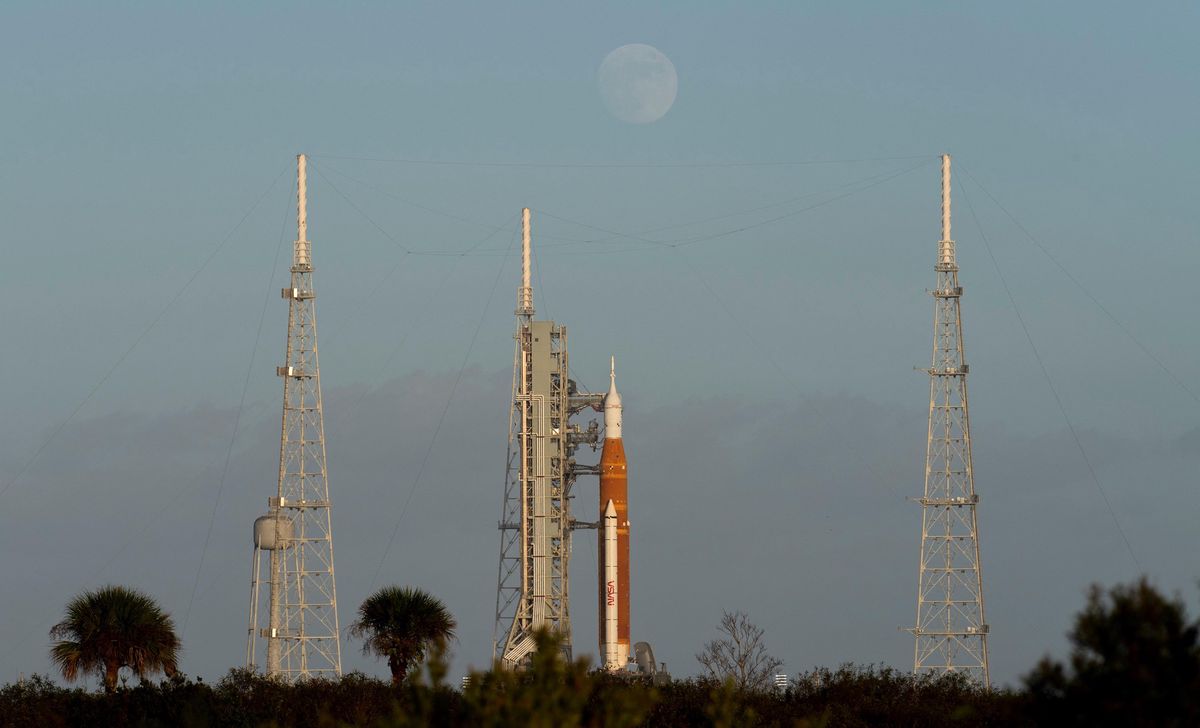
x: 951, y: 631
x: 532, y: 589
x: 301, y: 635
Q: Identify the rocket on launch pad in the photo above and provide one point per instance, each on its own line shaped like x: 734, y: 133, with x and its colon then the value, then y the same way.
x: 614, y: 536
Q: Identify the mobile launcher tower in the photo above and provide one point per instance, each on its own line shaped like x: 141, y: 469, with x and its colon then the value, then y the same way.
x: 532, y: 589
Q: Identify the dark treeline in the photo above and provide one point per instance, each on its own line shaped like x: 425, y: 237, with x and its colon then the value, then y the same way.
x: 1135, y: 661
x: 550, y: 696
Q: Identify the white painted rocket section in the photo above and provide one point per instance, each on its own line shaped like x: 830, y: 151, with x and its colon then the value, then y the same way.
x: 612, y: 404
x: 613, y: 660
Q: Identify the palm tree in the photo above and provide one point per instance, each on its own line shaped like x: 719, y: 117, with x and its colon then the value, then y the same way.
x: 401, y: 624
x: 114, y: 627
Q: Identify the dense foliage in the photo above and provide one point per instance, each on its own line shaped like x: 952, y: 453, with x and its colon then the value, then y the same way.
x: 1135, y: 661
x: 551, y: 694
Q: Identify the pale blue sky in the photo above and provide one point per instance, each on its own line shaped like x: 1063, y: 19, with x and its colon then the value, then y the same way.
x: 134, y: 138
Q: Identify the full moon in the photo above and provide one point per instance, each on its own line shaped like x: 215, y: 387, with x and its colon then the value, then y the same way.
x: 638, y: 83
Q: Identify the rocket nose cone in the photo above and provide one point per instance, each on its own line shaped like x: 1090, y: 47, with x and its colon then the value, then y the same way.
x: 610, y: 510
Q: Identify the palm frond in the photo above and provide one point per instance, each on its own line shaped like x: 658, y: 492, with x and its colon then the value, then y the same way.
x: 401, y: 623
x: 114, y: 625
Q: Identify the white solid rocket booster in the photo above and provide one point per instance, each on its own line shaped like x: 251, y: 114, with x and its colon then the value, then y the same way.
x: 612, y: 656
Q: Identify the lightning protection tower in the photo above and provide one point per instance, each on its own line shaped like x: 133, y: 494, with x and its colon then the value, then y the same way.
x: 535, y: 526
x: 301, y: 631
x: 951, y: 631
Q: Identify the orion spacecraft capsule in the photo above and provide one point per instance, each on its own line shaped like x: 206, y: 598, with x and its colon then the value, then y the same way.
x: 614, y: 536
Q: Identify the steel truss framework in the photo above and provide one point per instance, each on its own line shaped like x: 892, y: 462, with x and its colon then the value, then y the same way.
x: 302, y: 632
x: 533, y: 579
x: 951, y: 630
x: 537, y: 518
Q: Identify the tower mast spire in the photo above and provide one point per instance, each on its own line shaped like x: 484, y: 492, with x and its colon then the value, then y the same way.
x: 301, y: 249
x: 302, y: 632
x: 951, y: 630
x: 525, y: 294
x: 945, y: 197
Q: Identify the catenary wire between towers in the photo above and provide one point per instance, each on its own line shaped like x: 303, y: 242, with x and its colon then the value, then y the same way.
x: 138, y: 340
x: 184, y: 485
x: 858, y: 185
x: 861, y: 183
x: 237, y: 421
x: 682, y: 242
x: 1083, y: 289
x: 621, y: 165
x: 442, y: 417
x: 387, y: 360
x: 852, y: 187
x: 745, y: 330
x: 1049, y: 381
